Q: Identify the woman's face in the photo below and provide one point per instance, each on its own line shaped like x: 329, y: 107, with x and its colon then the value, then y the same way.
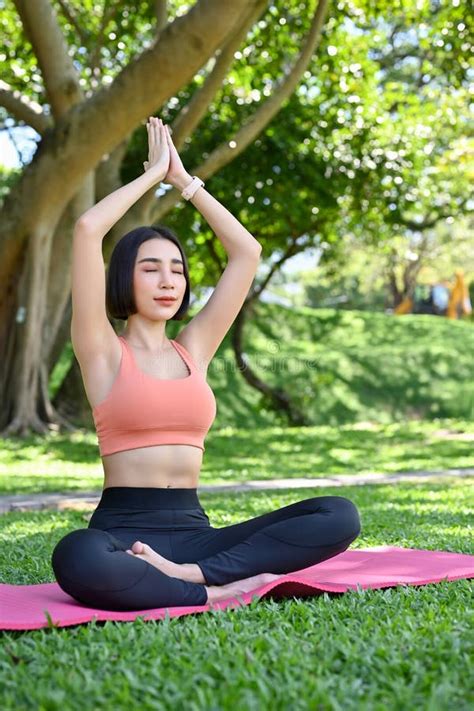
x: 159, y: 271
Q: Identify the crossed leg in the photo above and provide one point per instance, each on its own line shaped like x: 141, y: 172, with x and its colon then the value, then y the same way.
x: 94, y: 567
x: 281, y: 541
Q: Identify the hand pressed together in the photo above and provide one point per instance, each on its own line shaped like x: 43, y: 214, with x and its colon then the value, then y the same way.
x: 163, y: 158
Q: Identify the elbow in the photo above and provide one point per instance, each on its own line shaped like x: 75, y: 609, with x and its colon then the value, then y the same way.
x: 82, y: 224
x: 255, y: 253
x: 86, y: 225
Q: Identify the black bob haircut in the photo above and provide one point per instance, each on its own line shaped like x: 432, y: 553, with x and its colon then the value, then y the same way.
x: 119, y: 297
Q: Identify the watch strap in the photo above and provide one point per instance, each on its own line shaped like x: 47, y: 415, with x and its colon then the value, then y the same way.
x: 190, y: 189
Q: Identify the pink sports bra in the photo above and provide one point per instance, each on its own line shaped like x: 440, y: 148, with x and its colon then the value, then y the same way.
x: 143, y: 411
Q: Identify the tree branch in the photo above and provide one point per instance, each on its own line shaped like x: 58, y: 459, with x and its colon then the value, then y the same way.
x: 23, y: 109
x: 70, y: 17
x: 109, y: 11
x: 290, y: 251
x: 255, y: 124
x: 59, y: 74
x: 190, y: 115
x: 161, y: 12
x: 100, y: 123
x: 421, y: 226
x: 107, y: 174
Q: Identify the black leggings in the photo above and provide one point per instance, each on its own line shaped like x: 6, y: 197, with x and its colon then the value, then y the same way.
x: 91, y: 564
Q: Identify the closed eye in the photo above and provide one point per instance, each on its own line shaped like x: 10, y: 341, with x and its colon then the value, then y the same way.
x: 154, y: 270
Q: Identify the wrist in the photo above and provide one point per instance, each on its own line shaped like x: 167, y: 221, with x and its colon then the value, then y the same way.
x: 181, y: 181
x: 153, y: 179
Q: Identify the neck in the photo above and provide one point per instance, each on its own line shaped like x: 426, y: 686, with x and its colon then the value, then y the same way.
x: 146, y: 344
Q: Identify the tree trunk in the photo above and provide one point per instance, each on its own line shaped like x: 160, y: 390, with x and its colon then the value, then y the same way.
x: 21, y: 390
x: 276, y: 397
x: 396, y: 295
x: 69, y: 151
x: 409, y: 277
x: 59, y: 168
x: 44, y: 290
x: 70, y: 400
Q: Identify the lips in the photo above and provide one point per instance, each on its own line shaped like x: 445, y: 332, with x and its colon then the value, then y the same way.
x: 165, y: 301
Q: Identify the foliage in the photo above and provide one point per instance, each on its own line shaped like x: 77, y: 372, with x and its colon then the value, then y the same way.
x: 358, y: 279
x: 372, y: 136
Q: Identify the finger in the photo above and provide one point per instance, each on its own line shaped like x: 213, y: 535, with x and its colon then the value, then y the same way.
x: 149, y: 133
x: 151, y: 136
x: 170, y: 138
x: 158, y: 136
x: 161, y: 131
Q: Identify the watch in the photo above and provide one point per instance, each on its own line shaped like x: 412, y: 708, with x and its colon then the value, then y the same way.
x: 190, y: 189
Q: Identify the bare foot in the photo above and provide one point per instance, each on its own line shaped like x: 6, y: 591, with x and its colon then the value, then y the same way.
x: 145, y: 552
x: 223, y: 592
x: 186, y: 572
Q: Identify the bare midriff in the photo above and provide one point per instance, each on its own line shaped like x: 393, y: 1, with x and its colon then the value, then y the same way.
x: 166, y: 466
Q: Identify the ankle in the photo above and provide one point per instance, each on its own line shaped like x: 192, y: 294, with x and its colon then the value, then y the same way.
x: 215, y: 593
x: 193, y: 573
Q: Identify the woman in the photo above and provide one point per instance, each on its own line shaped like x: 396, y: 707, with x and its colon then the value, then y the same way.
x: 149, y: 542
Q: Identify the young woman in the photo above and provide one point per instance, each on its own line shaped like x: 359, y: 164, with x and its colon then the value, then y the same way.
x: 149, y: 542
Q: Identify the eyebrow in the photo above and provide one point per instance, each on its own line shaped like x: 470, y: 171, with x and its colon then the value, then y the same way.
x: 154, y: 259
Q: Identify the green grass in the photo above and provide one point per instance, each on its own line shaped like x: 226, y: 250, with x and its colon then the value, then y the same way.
x: 340, y: 367
x: 72, y: 462
x: 366, y: 381
x: 398, y: 648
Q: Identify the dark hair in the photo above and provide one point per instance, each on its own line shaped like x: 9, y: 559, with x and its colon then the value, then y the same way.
x: 119, y: 297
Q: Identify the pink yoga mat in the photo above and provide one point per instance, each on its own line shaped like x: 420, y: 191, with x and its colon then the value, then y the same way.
x: 28, y: 607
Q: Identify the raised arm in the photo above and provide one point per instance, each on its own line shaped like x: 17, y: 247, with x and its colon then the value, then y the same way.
x: 91, y: 332
x: 206, y: 330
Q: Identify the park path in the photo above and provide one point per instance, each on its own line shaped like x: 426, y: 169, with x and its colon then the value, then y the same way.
x: 89, y: 499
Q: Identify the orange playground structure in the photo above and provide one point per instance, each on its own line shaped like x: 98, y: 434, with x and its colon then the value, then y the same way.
x: 444, y: 299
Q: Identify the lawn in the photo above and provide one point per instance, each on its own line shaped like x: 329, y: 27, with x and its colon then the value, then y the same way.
x: 72, y: 462
x: 397, y: 648
x: 338, y: 367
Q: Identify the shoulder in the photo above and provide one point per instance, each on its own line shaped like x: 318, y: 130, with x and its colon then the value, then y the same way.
x: 193, y: 348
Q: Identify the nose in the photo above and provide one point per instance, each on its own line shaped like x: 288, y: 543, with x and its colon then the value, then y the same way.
x: 166, y: 278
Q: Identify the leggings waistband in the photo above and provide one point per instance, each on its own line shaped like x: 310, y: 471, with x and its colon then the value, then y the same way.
x: 148, y: 497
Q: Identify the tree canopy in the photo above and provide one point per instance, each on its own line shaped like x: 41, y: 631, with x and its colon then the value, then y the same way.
x: 310, y: 121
